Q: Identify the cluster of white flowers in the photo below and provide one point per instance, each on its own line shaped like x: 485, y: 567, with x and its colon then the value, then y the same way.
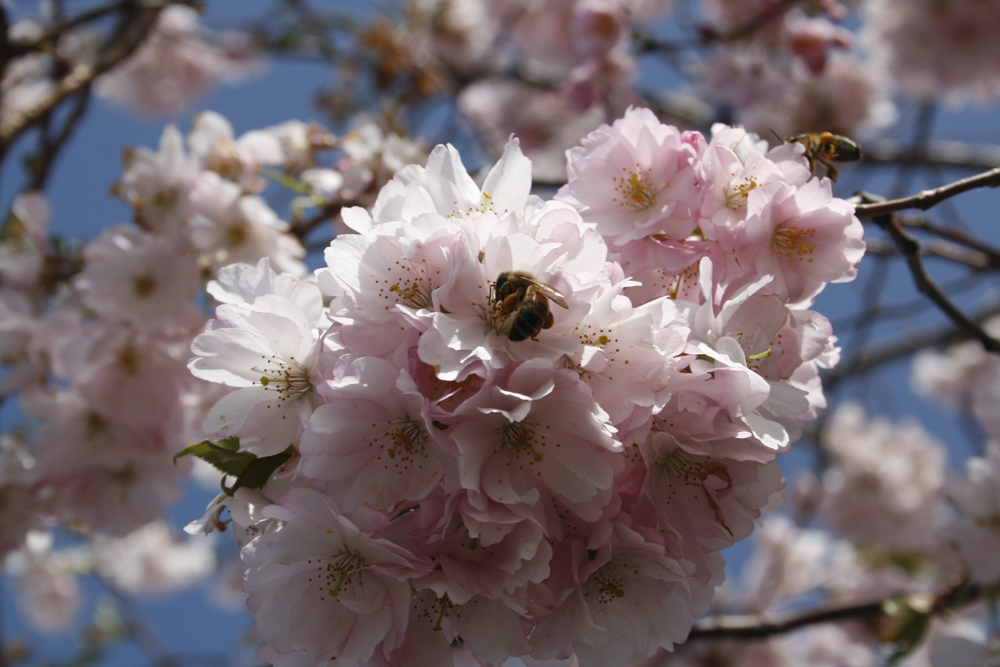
x: 96, y: 340
x: 498, y: 436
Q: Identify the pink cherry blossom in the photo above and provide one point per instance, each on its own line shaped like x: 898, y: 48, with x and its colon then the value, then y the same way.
x: 322, y: 588
x: 158, y: 185
x: 139, y: 278
x: 803, y: 237
x: 975, y: 494
x: 268, y: 350
x: 179, y: 62
x: 634, y: 178
x: 372, y: 440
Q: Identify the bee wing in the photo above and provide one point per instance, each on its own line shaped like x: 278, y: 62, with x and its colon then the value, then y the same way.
x: 551, y: 294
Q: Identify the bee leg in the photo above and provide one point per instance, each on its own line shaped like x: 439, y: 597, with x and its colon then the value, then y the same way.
x: 831, y: 171
x: 509, y: 304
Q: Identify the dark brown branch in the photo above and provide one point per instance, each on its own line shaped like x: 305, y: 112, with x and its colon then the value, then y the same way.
x: 14, y: 49
x: 912, y: 342
x: 986, y: 252
x: 758, y: 626
x: 302, y: 228
x: 134, y: 28
x: 41, y: 163
x: 910, y: 248
x: 938, y: 153
x: 928, y: 198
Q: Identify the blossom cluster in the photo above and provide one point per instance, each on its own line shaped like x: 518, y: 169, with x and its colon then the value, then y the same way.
x: 95, y: 339
x: 526, y: 426
x: 100, y: 367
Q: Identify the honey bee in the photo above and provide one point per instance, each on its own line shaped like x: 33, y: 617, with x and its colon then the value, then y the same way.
x: 527, y: 298
x: 826, y: 147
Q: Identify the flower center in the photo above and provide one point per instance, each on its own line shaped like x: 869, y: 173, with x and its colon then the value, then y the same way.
x: 794, y: 243
x: 288, y: 378
x: 521, y: 440
x: 737, y: 193
x: 408, y: 437
x: 343, y: 569
x: 607, y: 584
x: 143, y: 286
x: 636, y: 191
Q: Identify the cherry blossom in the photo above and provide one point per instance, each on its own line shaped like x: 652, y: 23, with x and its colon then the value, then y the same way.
x: 267, y: 349
x: 323, y: 588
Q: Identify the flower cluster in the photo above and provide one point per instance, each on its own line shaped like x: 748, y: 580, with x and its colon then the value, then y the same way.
x: 932, y: 48
x: 795, y: 72
x: 527, y: 426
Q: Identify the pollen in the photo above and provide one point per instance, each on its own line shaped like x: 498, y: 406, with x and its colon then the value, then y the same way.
x: 144, y: 286
x: 341, y: 570
x: 287, y: 378
x: 408, y: 437
x: 637, y: 191
x: 607, y: 584
x: 737, y: 193
x: 405, y: 283
x: 794, y: 243
x: 522, y: 442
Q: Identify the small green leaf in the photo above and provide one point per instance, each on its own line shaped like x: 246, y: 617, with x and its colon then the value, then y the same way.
x: 256, y: 474
x: 223, y: 455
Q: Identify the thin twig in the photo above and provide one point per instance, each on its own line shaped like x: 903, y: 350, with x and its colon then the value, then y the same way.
x: 757, y: 626
x: 904, y: 344
x: 987, y: 252
x: 14, y: 49
x: 138, y: 628
x: 910, y: 249
x: 928, y: 198
x: 940, y: 153
x: 120, y: 46
x: 41, y: 164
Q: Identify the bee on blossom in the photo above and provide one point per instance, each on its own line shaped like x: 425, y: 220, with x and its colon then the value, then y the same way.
x: 520, y: 294
x: 827, y: 147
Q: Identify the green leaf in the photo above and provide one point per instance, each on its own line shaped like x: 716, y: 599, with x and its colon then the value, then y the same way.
x: 912, y: 615
x: 223, y: 455
x: 249, y: 470
x: 256, y: 474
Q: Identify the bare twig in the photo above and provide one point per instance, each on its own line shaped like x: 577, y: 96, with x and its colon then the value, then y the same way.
x: 940, y: 153
x: 757, y: 626
x: 138, y: 628
x: 303, y: 228
x: 135, y: 26
x: 903, y: 345
x: 928, y: 198
x: 910, y: 249
x: 41, y: 163
x: 988, y: 256
x: 14, y: 49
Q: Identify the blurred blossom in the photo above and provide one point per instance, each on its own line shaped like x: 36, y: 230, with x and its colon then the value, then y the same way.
x: 179, y: 63
x: 798, y: 78
x: 152, y: 561
x: 48, y: 590
x: 23, y: 243
x: 977, y: 530
x: 934, y: 49
x: 460, y: 34
x: 884, y: 485
x: 543, y: 122
x: 964, y: 376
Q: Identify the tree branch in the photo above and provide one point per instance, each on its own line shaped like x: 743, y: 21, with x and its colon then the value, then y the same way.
x: 910, y: 248
x: 940, y: 153
x: 912, y: 342
x: 130, y: 34
x: 928, y: 198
